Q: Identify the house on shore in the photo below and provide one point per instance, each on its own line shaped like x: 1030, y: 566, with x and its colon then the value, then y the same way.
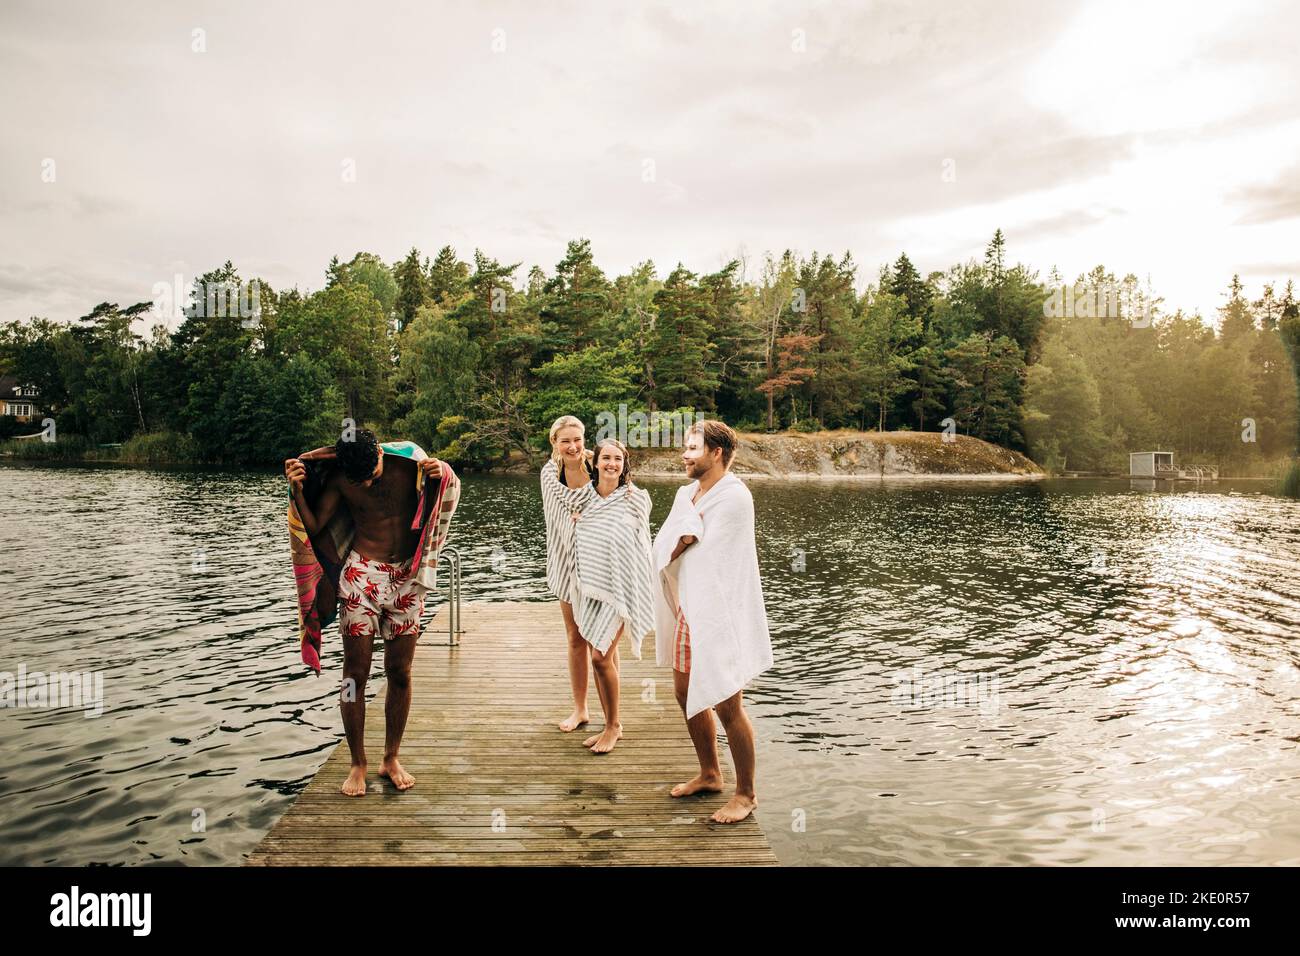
x: 19, y: 401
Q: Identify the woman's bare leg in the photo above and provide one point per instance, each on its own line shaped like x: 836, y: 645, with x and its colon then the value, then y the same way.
x: 606, y: 667
x: 577, y: 648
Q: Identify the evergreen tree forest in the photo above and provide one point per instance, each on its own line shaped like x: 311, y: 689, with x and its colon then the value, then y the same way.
x: 474, y: 360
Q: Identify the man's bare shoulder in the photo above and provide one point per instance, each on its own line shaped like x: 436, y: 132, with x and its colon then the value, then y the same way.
x: 403, y: 467
x: 334, y: 482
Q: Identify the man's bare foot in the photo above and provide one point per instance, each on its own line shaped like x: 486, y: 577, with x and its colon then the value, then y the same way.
x: 355, y: 785
x: 573, y: 721
x: 603, y: 742
x: 736, y: 809
x: 394, y: 771
x: 711, y: 783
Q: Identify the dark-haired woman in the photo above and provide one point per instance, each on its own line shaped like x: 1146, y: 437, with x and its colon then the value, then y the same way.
x: 615, y: 578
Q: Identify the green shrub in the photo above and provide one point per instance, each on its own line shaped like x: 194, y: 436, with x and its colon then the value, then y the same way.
x: 1289, y: 480
x: 11, y: 426
x: 161, y: 448
x: 67, y: 448
x: 1046, y: 452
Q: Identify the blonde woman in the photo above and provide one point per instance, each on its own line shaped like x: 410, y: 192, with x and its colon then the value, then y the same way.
x: 615, y: 578
x: 567, y: 490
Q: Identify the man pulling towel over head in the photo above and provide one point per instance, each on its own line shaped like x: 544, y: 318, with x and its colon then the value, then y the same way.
x: 366, y: 524
x: 710, y: 622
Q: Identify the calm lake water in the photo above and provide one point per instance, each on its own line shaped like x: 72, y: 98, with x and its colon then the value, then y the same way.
x: 1061, y: 672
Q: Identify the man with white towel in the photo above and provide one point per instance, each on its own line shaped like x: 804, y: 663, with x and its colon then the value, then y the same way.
x: 710, y: 622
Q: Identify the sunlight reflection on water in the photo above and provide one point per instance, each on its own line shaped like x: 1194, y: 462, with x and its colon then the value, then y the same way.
x: 1049, y: 673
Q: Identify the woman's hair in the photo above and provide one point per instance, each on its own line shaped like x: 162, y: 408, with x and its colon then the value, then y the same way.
x: 626, y: 475
x: 566, y: 421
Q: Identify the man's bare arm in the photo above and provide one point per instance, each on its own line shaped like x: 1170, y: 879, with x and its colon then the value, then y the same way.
x: 684, y: 542
x: 326, y: 507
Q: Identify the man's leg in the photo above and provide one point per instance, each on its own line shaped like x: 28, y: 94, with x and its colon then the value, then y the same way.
x: 704, y: 737
x: 740, y: 738
x: 399, y: 652
x: 577, y: 670
x: 358, y: 623
x: 357, y: 650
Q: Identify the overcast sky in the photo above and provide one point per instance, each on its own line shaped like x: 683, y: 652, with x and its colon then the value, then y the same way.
x: 1159, y: 139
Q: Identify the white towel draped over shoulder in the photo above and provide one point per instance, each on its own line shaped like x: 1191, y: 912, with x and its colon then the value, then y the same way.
x: 615, y: 576
x: 719, y: 590
x: 559, y: 504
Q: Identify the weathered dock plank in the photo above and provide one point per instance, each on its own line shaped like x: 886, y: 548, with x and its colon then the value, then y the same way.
x: 498, y: 785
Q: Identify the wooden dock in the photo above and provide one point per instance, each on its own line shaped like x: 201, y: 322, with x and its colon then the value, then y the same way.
x: 497, y: 784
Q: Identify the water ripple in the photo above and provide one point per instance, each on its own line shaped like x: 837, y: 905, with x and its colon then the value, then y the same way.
x: 986, y: 674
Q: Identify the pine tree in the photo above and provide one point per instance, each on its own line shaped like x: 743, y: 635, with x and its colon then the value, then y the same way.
x: 885, y: 352
x: 907, y: 283
x: 579, y: 300
x: 413, y: 288
x: 685, y: 370
x: 1235, y: 318
x: 931, y: 383
x: 448, y: 279
x: 987, y: 375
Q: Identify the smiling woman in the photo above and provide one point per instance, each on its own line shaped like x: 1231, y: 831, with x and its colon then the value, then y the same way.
x: 567, y: 490
x: 613, y: 579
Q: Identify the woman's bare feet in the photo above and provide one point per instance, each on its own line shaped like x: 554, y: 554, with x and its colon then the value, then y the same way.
x: 736, y: 809
x: 603, y: 742
x: 704, y: 783
x: 355, y: 785
x: 394, y: 771
x: 573, y: 721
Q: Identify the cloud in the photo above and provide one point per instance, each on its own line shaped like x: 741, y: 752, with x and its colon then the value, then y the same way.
x: 1062, y: 224
x: 47, y: 199
x: 1269, y: 202
x: 793, y: 125
x: 1273, y: 270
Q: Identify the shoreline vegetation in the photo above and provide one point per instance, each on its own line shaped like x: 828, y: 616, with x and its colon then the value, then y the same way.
x: 839, y: 454
x: 474, y: 360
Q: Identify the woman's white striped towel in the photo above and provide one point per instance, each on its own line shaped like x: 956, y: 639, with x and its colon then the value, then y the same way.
x: 559, y: 504
x: 615, y: 569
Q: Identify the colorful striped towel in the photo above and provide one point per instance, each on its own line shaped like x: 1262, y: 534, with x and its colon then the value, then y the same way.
x: 317, y: 563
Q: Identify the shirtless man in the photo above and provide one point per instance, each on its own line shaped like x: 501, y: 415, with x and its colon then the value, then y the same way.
x: 377, y: 589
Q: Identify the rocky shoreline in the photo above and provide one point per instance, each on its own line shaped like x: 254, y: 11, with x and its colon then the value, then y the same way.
x: 849, y: 454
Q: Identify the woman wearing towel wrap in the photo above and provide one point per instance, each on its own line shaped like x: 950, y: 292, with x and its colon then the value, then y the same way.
x: 615, y: 580
x: 566, y: 492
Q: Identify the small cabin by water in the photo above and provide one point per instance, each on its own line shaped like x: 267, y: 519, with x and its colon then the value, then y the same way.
x: 1147, y: 464
x: 1160, y: 464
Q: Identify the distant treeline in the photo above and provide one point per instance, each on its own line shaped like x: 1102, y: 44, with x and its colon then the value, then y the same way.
x: 474, y: 362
